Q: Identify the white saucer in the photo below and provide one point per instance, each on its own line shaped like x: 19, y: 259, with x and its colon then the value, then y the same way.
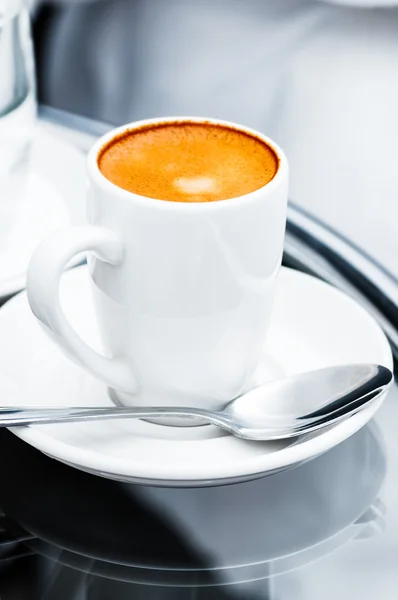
x: 313, y: 326
x: 53, y: 196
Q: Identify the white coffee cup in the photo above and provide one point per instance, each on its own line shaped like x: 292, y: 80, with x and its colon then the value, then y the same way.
x: 183, y: 291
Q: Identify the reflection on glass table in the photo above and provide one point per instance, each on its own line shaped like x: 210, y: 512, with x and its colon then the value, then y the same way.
x: 229, y: 537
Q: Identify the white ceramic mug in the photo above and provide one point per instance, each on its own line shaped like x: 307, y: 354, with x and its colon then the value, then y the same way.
x: 183, y: 291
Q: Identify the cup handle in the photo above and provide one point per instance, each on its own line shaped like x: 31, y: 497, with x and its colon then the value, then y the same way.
x: 43, y: 278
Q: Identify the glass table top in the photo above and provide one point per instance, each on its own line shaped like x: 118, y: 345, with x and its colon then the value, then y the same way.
x: 324, y: 529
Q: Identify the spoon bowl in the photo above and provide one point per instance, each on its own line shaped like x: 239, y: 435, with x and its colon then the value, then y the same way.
x: 305, y: 402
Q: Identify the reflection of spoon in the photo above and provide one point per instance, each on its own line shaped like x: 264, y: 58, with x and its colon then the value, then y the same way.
x: 276, y: 410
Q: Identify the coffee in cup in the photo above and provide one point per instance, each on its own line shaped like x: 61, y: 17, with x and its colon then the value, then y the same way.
x: 188, y: 162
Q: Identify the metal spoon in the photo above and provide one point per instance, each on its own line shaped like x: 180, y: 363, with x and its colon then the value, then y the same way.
x: 276, y: 410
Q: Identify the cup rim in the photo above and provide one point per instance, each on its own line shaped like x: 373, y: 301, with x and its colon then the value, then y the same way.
x: 101, y: 181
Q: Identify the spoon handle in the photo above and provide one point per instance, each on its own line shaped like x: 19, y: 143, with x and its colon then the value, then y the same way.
x: 20, y: 415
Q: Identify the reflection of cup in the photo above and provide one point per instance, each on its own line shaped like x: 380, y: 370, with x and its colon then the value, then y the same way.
x: 145, y: 542
x: 17, y: 107
x: 183, y: 291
